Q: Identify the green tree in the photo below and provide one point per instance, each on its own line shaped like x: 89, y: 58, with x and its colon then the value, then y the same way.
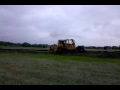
x: 25, y: 44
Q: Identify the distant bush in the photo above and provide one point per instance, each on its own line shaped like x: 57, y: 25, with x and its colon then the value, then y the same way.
x: 80, y: 49
x: 25, y: 44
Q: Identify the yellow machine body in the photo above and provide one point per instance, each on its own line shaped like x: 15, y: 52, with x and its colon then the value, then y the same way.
x: 63, y: 45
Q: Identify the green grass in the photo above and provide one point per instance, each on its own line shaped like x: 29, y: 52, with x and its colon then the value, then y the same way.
x: 61, y: 57
x: 42, y: 69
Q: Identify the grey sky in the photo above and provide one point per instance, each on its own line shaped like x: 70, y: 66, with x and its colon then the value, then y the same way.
x: 89, y: 25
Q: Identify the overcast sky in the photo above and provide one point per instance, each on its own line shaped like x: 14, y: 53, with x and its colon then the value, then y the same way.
x: 89, y: 25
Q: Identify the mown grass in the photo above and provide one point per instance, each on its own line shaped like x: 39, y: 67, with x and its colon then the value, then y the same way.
x: 61, y: 57
x: 46, y: 69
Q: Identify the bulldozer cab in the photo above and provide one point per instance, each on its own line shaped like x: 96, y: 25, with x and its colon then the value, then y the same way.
x: 61, y: 42
x: 67, y: 43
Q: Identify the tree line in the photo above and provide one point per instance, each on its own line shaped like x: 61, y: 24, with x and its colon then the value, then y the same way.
x: 104, y: 47
x: 25, y: 44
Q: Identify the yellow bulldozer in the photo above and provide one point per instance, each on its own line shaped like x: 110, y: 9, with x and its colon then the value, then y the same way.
x: 64, y: 46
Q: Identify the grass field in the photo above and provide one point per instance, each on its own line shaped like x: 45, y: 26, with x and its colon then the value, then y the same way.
x: 46, y: 69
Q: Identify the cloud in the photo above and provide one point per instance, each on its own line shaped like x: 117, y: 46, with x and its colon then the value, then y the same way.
x: 87, y: 24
